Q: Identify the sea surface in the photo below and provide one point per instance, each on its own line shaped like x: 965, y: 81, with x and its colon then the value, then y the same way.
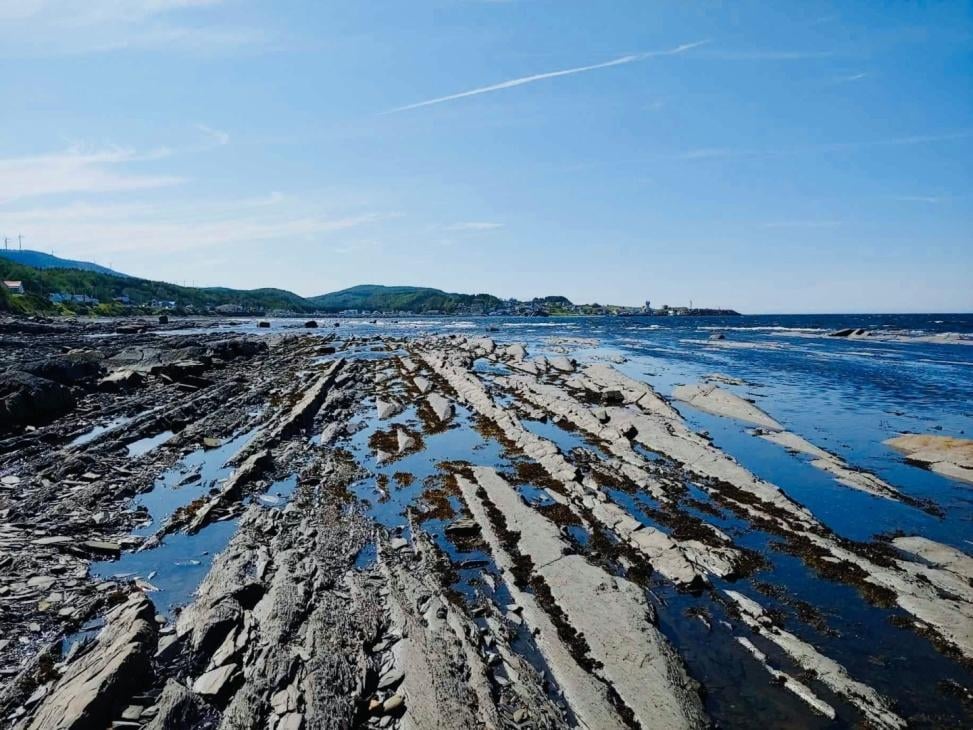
x: 845, y: 395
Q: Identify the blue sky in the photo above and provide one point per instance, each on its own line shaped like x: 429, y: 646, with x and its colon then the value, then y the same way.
x: 772, y: 157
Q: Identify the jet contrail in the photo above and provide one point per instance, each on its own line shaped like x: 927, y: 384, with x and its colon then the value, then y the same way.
x: 549, y: 75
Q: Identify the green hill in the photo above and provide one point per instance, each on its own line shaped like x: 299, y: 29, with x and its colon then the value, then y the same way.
x: 372, y: 297
x: 118, y: 294
x: 41, y: 260
x: 39, y: 284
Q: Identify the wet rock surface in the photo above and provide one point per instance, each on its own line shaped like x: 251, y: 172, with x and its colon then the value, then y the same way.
x: 207, y: 531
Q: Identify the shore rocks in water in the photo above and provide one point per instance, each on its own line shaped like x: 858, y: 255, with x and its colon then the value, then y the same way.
x: 951, y: 457
x: 515, y: 352
x: 441, y: 406
x: 631, y: 655
x: 404, y: 440
x: 386, y: 409
x: 97, y: 685
x: 331, y: 601
x: 712, y: 399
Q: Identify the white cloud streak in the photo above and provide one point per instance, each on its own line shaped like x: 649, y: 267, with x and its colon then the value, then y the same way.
x: 802, y: 224
x: 77, y: 171
x: 31, y: 28
x: 99, y: 230
x: 523, y: 80
x: 217, y: 136
x: 95, y: 11
x: 474, y: 226
x: 709, y: 153
x: 929, y: 199
x: 765, y: 55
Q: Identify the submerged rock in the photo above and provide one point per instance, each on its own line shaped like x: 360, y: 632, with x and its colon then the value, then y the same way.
x: 951, y: 457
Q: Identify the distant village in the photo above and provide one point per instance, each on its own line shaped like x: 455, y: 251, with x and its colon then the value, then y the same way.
x: 550, y: 307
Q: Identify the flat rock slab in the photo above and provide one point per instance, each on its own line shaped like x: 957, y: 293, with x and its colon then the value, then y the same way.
x: 610, y: 612
x: 712, y: 399
x: 952, y: 457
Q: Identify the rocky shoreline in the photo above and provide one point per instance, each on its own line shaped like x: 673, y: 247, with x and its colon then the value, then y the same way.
x: 379, y: 572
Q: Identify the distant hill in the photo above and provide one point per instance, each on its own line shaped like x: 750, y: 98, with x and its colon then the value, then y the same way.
x: 40, y: 283
x: 46, y: 275
x: 372, y: 297
x: 41, y: 260
x: 281, y: 298
x: 118, y: 294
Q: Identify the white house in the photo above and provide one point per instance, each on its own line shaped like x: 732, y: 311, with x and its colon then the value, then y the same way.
x: 14, y: 287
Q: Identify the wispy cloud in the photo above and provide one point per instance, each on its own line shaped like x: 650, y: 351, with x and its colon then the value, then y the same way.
x: 115, y: 229
x: 85, y: 12
x: 930, y: 199
x: 765, y: 55
x: 849, y: 78
x: 77, y: 171
x: 473, y: 226
x: 523, y: 80
x: 217, y: 136
x: 707, y: 153
x: 802, y: 224
x: 59, y: 27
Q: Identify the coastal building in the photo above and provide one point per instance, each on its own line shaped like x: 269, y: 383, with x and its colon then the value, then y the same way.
x: 14, y: 287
